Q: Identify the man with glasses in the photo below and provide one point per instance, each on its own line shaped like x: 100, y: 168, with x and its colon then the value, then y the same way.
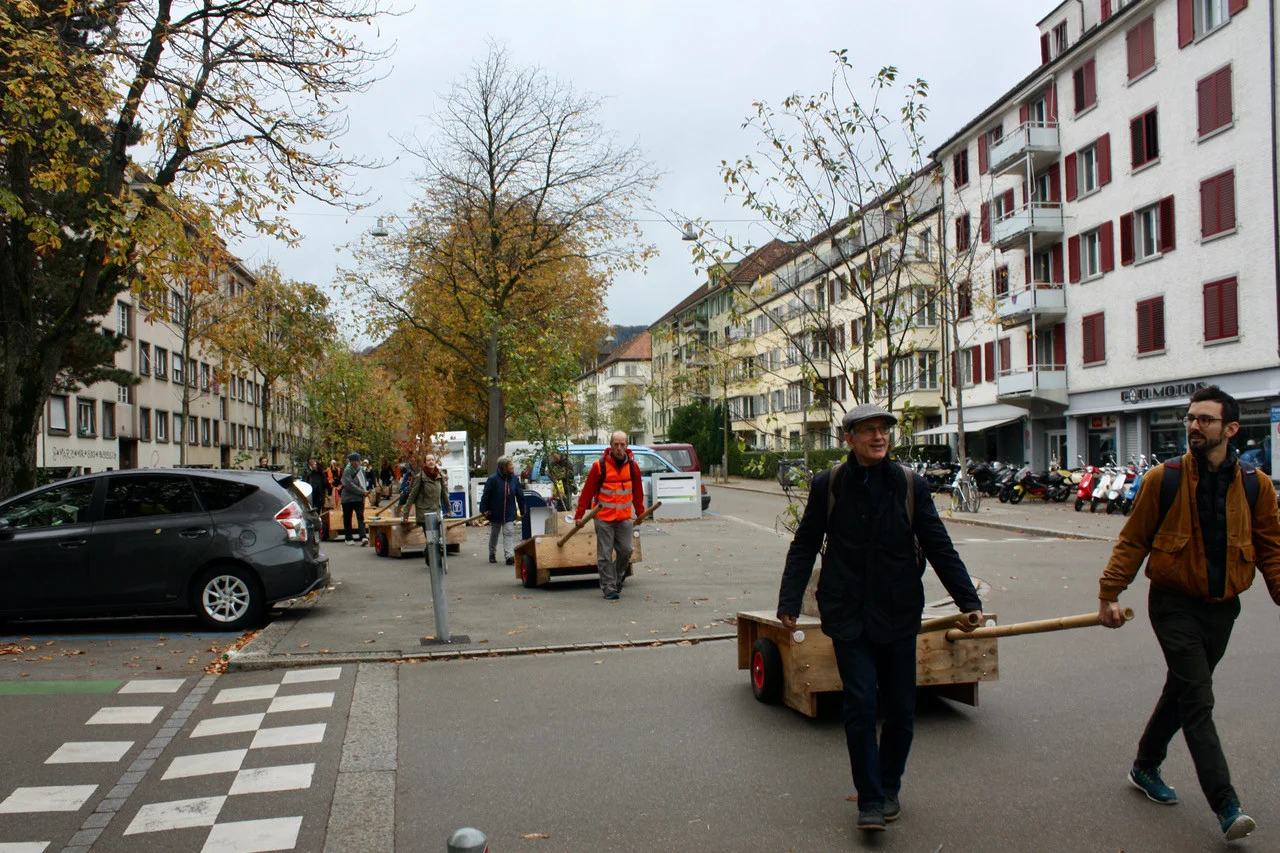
x: 1205, y: 542
x: 871, y: 596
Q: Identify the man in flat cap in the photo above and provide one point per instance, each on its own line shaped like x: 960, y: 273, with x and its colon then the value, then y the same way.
x: 871, y: 596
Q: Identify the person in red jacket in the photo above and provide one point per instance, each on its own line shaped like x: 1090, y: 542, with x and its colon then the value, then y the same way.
x: 614, y: 484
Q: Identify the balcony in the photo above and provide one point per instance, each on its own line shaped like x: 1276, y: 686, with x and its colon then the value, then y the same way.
x: 1043, y: 300
x: 1030, y: 386
x: 693, y: 324
x: 1039, y: 219
x: 1039, y: 140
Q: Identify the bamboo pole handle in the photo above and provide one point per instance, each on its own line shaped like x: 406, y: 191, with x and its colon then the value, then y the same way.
x: 454, y: 522
x: 578, y: 526
x: 648, y: 512
x: 1062, y: 623
x: 941, y: 623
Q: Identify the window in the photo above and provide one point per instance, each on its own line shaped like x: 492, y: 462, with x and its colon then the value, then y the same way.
x: 108, y: 420
x: 1147, y: 232
x: 193, y: 430
x: 985, y: 142
x: 177, y: 368
x: 222, y: 408
x: 55, y: 507
x: 1001, y: 280
x: 216, y: 495
x: 1095, y: 345
x: 148, y: 495
x: 1144, y: 139
x: 1151, y: 325
x: 177, y: 310
x: 1218, y: 204
x: 1091, y: 253
x: 58, y: 414
x: 86, y: 422
x: 962, y: 233
x: 1084, y: 80
x: 240, y: 442
x: 124, y: 394
x: 964, y: 300
x: 124, y: 328
x: 1004, y: 350
x: 162, y: 363
x: 144, y: 359
x: 1060, y: 39
x: 1087, y: 171
x: 204, y: 376
x: 1210, y: 14
x: 1221, y: 320
x: 144, y: 424
x: 1213, y: 101
x: 924, y: 308
x: 206, y: 431
x: 162, y: 426
x: 960, y: 167
x: 1141, y: 44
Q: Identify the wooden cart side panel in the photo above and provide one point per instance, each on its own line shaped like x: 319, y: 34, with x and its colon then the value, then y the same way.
x: 941, y: 662
x: 578, y: 551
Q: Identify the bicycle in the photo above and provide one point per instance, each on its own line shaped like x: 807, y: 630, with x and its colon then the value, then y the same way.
x: 965, y: 496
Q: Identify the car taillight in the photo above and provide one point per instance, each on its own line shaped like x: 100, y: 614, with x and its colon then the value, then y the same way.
x: 294, y: 522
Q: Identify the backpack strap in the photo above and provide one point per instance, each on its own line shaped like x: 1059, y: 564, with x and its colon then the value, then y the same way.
x: 1173, y: 478
x: 910, y: 496
x: 831, y: 489
x: 1250, y: 476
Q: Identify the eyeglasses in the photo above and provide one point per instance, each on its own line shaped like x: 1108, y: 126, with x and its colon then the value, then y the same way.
x: 870, y: 431
x: 1200, y: 420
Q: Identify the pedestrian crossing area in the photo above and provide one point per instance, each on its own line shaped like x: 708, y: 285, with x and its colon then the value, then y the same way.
x: 193, y: 785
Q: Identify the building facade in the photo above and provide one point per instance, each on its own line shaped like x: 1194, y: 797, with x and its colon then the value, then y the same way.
x: 615, y: 390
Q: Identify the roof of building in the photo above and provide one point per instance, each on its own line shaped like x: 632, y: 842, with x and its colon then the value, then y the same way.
x: 638, y: 348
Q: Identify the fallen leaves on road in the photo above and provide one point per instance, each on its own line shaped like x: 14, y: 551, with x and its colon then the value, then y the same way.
x: 536, y: 835
x: 72, y: 653
x: 684, y: 629
x: 304, y: 645
x: 15, y: 649
x: 219, y: 665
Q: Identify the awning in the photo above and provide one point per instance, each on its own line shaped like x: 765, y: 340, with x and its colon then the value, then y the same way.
x: 970, y: 426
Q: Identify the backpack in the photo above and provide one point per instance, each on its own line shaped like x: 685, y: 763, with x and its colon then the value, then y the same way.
x: 1173, y: 478
x: 910, y: 501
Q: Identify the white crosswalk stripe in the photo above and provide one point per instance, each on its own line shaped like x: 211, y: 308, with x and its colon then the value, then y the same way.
x: 49, y: 798
x: 90, y: 752
x: 205, y: 764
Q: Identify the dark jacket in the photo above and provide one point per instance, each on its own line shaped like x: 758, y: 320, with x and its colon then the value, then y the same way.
x: 871, y: 578
x: 351, y: 491
x: 428, y: 494
x: 320, y: 487
x: 501, y: 496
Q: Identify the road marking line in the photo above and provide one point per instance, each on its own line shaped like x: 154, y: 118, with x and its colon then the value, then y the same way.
x: 126, y: 715
x: 301, y: 676
x: 53, y: 798
x: 260, y: 780
x: 23, y: 846
x: 205, y: 764
x: 57, y: 688
x: 154, y: 685
x: 301, y: 702
x: 246, y: 694
x: 90, y: 752
x: 176, y: 814
x: 228, y: 725
x: 288, y: 736
x: 253, y: 836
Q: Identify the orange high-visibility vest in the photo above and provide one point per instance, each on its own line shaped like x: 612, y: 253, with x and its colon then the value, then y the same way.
x: 614, y: 498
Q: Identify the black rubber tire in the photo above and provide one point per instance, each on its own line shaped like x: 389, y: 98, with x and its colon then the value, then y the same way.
x: 234, y: 580
x: 1093, y: 505
x: 1111, y: 507
x: 1079, y: 504
x: 380, y: 545
x: 766, y: 671
x: 1004, y: 496
x: 528, y: 572
x: 1016, y: 497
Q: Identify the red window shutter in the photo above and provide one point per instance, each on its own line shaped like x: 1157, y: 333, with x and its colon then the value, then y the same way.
x: 1073, y: 257
x: 1209, y: 207
x: 1051, y: 103
x: 1107, y: 249
x: 984, y: 220
x: 1222, y: 97
x: 1186, y: 22
x: 1006, y: 353
x: 1031, y: 350
x: 1235, y: 7
x: 1090, y: 84
x: 1213, y: 311
x: 1138, y: 141
x: 1086, y: 335
x: 1026, y: 269
x: 1227, y: 300
x: 1106, y: 9
x: 1024, y: 114
x: 1144, y: 327
x: 1157, y: 323
x: 1126, y: 239
x: 1060, y: 344
x: 1055, y: 257
x: 1227, y: 200
x: 1167, y: 230
x: 1070, y: 169
x: 982, y: 154
x: 1055, y: 183
x: 1206, y: 108
x: 1133, y: 48
x: 1024, y: 193
x: 1077, y: 86
x: 1103, y: 156
x: 988, y: 355
x: 1044, y: 47
x: 1008, y: 201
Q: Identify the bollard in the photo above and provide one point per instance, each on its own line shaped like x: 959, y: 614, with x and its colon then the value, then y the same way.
x: 436, y: 568
x: 468, y: 840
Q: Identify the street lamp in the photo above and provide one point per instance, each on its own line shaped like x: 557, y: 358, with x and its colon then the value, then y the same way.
x: 690, y: 234
x: 379, y: 230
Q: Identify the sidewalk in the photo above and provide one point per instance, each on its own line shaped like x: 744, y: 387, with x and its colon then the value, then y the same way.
x: 1032, y: 516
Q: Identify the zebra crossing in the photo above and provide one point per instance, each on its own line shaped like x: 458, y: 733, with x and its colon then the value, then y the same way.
x: 198, y: 787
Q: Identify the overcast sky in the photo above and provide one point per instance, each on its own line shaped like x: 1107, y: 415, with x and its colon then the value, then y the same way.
x: 679, y: 78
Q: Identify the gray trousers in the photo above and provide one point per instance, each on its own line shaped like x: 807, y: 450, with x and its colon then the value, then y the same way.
x: 508, y: 539
x: 613, y: 552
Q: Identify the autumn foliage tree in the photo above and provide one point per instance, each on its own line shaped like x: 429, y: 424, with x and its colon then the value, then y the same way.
x: 352, y: 405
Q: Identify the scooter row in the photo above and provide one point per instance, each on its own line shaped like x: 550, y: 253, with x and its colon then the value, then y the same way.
x: 1112, y: 486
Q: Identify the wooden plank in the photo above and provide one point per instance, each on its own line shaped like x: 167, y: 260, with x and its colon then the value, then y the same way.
x: 941, y: 662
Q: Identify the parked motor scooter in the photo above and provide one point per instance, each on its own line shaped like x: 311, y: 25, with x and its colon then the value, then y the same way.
x: 1131, y: 493
x: 1119, y: 486
x: 1103, y: 485
x: 1088, y: 482
x: 1004, y: 483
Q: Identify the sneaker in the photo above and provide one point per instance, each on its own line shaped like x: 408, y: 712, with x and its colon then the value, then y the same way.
x: 611, y: 596
x: 351, y: 541
x: 871, y: 820
x: 364, y: 542
x: 892, y: 808
x: 492, y: 559
x: 511, y: 561
x: 1149, y: 782
x: 1234, y: 823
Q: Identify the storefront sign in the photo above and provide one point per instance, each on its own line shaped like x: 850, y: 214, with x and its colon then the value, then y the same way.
x: 1161, y: 392
x: 83, y: 455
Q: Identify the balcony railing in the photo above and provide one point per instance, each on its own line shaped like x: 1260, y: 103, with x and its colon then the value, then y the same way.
x: 1044, y: 299
x: 1036, y: 139
x: 1042, y: 218
x: 1037, y: 383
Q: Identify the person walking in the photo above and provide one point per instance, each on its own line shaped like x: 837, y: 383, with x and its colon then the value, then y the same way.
x: 429, y: 493
x: 317, y: 478
x: 354, y: 489
x: 871, y: 597
x: 614, y: 483
x: 1208, y: 523
x: 499, y: 501
x: 560, y: 470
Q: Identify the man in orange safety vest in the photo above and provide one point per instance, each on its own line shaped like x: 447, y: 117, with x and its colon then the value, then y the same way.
x: 614, y: 484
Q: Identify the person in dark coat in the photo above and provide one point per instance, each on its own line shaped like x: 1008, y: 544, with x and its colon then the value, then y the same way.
x: 318, y: 480
x: 499, y: 501
x: 871, y: 598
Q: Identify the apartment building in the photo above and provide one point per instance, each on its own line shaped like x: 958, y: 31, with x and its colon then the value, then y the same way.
x: 107, y: 426
x: 1124, y: 196
x: 620, y: 376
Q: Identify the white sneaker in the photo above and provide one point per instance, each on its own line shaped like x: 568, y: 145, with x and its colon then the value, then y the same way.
x: 364, y: 542
x: 351, y: 541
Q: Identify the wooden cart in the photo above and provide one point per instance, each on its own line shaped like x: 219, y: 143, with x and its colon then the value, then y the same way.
x: 392, y: 537
x: 567, y: 549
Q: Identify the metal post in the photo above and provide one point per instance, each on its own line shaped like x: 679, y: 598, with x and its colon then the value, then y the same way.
x: 468, y: 840
x: 436, y: 568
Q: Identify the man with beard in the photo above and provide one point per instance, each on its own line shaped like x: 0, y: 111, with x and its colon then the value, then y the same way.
x: 1205, y: 540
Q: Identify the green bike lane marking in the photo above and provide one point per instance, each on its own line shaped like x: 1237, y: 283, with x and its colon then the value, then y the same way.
x: 57, y: 688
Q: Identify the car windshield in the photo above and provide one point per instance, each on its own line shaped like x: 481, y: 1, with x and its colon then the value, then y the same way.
x: 679, y: 458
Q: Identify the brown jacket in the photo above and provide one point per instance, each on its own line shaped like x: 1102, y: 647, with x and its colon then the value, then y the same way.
x: 1177, y: 561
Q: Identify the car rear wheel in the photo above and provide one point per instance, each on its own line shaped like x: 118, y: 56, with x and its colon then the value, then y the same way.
x: 229, y: 598
x: 766, y: 671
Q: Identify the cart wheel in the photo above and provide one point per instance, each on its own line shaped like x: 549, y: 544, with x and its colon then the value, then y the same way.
x: 380, y: 545
x: 766, y: 671
x: 528, y: 572
x: 453, y: 549
x: 324, y: 527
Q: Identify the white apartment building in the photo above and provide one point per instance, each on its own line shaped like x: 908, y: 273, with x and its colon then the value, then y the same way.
x: 1123, y: 196
x: 624, y: 372
x: 107, y: 426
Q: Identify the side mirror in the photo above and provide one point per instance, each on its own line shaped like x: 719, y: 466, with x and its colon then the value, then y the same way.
x: 6, y: 532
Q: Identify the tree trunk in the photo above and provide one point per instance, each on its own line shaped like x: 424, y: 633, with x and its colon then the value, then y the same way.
x: 186, y: 396
x: 496, y: 438
x: 24, y: 389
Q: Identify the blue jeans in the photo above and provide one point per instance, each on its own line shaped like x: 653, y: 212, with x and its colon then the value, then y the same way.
x: 877, y: 763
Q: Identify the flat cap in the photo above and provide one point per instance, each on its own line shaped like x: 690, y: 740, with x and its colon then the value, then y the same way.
x: 353, y: 457
x: 865, y: 412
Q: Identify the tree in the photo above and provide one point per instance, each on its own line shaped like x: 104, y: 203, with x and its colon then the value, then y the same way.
x: 628, y: 412
x: 278, y: 328
x: 519, y: 179
x: 353, y: 405
x: 701, y: 425
x: 120, y: 119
